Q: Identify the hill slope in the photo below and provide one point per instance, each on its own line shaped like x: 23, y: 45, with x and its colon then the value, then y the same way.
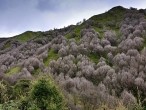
x: 99, y: 63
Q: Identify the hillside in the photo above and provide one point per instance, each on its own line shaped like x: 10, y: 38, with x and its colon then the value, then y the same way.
x: 98, y: 64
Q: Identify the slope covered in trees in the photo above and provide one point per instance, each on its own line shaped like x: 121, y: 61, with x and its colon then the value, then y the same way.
x: 95, y: 65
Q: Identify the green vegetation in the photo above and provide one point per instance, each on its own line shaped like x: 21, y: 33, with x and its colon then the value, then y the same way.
x: 106, y: 21
x: 115, y: 14
x: 22, y: 87
x: 94, y: 57
x: 13, y: 70
x: 11, y: 105
x: 36, y: 71
x: 75, y: 33
x: 39, y: 94
x: 93, y: 74
x: 51, y: 56
x: 99, y: 30
x: 46, y: 95
x: 26, y: 36
x: 7, y: 45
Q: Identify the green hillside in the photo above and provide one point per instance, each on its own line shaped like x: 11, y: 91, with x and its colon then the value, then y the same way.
x: 98, y: 64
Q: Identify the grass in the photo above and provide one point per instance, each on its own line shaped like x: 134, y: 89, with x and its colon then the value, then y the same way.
x: 13, y: 71
x: 112, y: 17
x: 37, y: 71
x: 99, y: 30
x: 75, y: 33
x: 94, y: 57
x: 26, y: 36
x: 7, y: 45
x: 51, y: 56
x: 113, y: 14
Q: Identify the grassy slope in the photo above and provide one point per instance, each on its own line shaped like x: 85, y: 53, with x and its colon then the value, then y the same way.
x: 22, y: 38
x: 107, y: 21
x: 100, y: 22
x: 13, y: 71
x: 26, y: 36
x: 51, y: 56
x: 7, y: 45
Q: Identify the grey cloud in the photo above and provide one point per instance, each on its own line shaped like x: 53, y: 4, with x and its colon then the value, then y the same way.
x: 11, y: 4
x: 65, y: 5
x: 52, y: 5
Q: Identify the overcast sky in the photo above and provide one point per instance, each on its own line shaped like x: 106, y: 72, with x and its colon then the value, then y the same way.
x: 17, y: 16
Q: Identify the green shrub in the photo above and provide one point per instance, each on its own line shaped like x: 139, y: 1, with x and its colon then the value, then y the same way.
x: 46, y: 95
x: 5, y: 92
x: 22, y: 88
x: 10, y: 105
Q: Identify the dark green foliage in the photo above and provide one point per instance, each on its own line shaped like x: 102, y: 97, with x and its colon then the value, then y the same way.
x: 43, y: 94
x: 94, y: 57
x: 46, y: 95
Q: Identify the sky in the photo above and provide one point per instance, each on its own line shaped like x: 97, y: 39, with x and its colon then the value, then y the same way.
x: 18, y: 16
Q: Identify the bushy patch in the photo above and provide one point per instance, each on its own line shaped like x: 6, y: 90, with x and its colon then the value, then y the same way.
x: 46, y: 95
